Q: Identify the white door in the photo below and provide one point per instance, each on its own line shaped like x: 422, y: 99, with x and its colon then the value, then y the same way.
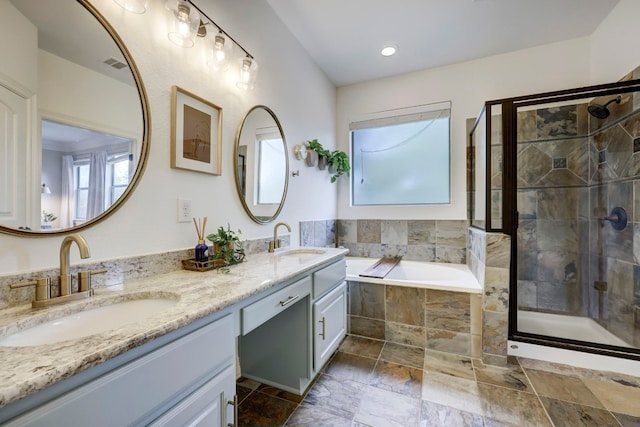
x: 16, y: 208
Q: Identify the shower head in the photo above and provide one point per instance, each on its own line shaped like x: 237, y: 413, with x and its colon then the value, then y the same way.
x: 601, y: 111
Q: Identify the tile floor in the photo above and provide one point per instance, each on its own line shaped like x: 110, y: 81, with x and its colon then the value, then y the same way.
x: 373, y: 383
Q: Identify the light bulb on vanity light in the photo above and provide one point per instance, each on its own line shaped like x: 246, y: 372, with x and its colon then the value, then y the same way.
x: 221, y: 47
x: 248, y: 72
x: 133, y: 6
x: 184, y: 22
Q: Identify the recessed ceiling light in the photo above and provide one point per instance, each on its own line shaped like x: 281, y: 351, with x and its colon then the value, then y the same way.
x: 388, y: 50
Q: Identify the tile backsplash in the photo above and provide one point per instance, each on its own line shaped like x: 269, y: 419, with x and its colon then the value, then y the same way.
x: 419, y: 240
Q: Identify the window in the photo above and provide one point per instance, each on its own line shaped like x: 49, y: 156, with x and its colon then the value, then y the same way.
x: 402, y: 157
x: 117, y: 178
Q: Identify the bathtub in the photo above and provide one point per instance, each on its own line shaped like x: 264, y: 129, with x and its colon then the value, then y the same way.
x: 573, y: 327
x: 418, y: 274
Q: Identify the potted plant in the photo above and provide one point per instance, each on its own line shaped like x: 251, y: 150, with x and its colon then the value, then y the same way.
x: 227, y: 246
x: 323, y: 153
x: 338, y: 164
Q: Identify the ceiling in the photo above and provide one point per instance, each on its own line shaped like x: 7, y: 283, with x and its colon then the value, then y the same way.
x: 344, y: 37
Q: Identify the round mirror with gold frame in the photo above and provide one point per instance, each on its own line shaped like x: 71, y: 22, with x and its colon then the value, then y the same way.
x: 80, y: 118
x: 261, y: 164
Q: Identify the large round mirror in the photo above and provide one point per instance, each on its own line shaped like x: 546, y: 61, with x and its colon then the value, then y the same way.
x: 261, y: 164
x: 74, y: 116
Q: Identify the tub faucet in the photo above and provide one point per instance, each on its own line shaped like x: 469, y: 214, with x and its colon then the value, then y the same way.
x: 277, y: 243
x: 65, y: 248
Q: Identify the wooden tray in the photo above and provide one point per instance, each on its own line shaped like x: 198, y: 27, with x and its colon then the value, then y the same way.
x: 193, y: 265
x: 381, y: 268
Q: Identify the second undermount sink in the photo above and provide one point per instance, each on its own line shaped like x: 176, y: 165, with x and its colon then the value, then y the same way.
x: 301, y: 254
x: 89, y: 321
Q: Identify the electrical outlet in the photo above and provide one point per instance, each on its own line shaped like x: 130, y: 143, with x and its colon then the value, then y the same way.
x: 184, y: 210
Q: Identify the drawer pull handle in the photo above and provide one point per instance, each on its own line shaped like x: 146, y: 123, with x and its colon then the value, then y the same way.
x: 234, y: 403
x: 322, y: 334
x: 289, y: 300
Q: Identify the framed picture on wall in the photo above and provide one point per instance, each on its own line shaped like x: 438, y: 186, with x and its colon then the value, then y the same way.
x: 196, y: 133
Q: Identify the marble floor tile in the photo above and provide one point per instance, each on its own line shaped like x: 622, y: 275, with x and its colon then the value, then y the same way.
x: 247, y: 383
x: 262, y: 410
x: 450, y: 364
x: 345, y: 366
x: 400, y: 379
x: 276, y: 392
x: 446, y: 390
x: 362, y: 346
x: 542, y: 365
x: 338, y: 397
x: 435, y: 415
x: 574, y: 414
x: 512, y: 406
x: 512, y: 377
x: 403, y: 355
x: 616, y: 397
x: 308, y: 416
x: 563, y: 387
x: 387, y: 409
x: 627, y: 420
x: 242, y: 393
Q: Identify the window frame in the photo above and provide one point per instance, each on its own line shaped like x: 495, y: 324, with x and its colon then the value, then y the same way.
x: 398, y: 116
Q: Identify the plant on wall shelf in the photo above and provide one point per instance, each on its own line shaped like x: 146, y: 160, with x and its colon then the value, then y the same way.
x: 323, y: 153
x: 338, y: 164
x: 227, y: 245
x: 338, y: 161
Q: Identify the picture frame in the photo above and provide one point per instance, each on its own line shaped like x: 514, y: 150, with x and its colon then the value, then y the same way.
x: 196, y: 133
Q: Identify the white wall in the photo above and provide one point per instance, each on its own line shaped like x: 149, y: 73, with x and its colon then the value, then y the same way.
x: 467, y: 85
x: 288, y: 82
x: 615, y: 45
x: 18, y: 66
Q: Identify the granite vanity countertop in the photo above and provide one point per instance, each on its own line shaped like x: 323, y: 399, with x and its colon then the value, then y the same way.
x: 26, y: 370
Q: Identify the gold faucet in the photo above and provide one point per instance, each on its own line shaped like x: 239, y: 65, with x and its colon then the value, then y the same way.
x: 43, y: 284
x: 65, y: 248
x: 277, y: 243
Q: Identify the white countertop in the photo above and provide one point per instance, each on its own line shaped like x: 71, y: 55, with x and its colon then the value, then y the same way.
x: 26, y: 370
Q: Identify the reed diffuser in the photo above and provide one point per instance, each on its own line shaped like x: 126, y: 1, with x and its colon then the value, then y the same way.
x: 201, y: 248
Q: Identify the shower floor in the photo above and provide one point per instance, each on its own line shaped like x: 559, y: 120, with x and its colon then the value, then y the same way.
x: 569, y: 327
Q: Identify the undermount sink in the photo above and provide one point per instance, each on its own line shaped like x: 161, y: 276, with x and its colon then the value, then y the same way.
x: 301, y: 254
x: 89, y: 321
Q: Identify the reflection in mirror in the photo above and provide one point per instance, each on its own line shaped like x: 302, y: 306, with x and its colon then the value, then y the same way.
x: 262, y: 164
x: 85, y: 171
x: 80, y: 157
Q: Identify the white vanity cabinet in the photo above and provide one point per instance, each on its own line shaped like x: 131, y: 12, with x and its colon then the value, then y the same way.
x: 288, y: 335
x: 329, y: 311
x: 330, y: 324
x: 188, y: 381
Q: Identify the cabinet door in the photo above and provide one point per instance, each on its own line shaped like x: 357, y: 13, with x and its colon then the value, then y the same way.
x: 211, y: 405
x: 330, y: 324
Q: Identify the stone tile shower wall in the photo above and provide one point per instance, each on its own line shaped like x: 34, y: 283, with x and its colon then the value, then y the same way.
x: 574, y: 169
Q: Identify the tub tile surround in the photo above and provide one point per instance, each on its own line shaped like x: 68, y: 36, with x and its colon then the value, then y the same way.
x: 425, y: 318
x: 415, y: 240
x: 489, y: 258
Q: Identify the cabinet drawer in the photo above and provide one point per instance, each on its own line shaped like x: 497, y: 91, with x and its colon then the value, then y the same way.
x: 328, y: 277
x: 259, y: 312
